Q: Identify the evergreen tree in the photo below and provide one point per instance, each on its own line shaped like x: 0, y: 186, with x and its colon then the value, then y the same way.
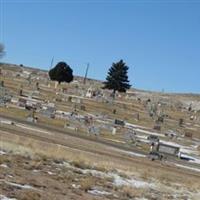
x: 61, y: 73
x: 117, y: 78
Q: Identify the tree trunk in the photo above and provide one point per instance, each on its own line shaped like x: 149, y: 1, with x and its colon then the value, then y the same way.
x: 114, y: 93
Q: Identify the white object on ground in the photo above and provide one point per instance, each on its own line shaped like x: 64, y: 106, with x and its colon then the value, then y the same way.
x: 8, y: 122
x: 187, y: 167
x: 2, y: 197
x: 149, y: 132
x: 19, y: 185
x: 76, y: 186
x: 33, y: 129
x: 50, y: 173
x: 98, y: 192
x: 119, y: 181
x: 4, y: 165
x: 2, y: 152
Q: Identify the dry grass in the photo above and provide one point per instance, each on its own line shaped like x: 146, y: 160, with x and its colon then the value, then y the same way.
x: 11, y: 111
x: 51, y: 122
x: 81, y: 164
x: 87, y: 183
x: 131, y: 192
x: 87, y: 160
x: 29, y: 195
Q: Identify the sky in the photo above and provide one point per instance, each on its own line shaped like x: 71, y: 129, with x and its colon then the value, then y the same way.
x: 158, y: 40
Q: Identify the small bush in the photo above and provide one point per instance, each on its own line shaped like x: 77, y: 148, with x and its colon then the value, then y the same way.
x: 87, y: 183
x: 81, y: 164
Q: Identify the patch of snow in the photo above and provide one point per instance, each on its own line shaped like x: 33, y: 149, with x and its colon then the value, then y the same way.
x: 187, y: 167
x: 135, y: 154
x: 94, y: 172
x: 142, y: 137
x: 144, y: 140
x: 195, y: 146
x: 141, y: 130
x: 196, y: 161
x: 188, y: 150
x: 33, y: 129
x: 36, y: 171
x: 98, y: 192
x: 8, y: 122
x: 4, y: 165
x: 171, y: 143
x: 2, y: 152
x: 2, y: 197
x: 134, y: 125
x: 149, y: 132
x: 131, y: 153
x: 196, y: 196
x: 76, y: 186
x: 119, y: 181
x: 141, y: 199
x: 62, y: 112
x: 19, y: 185
x: 50, y: 173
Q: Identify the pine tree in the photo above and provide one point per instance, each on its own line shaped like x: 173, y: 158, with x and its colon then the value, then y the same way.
x: 117, y: 78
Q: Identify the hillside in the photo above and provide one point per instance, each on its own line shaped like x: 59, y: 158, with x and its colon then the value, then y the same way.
x: 76, y: 142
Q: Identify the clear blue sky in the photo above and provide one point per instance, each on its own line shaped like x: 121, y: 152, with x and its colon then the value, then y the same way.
x: 159, y: 40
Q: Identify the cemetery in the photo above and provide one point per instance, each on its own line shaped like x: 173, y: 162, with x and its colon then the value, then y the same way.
x: 109, y: 118
x: 151, y: 126
x: 99, y: 100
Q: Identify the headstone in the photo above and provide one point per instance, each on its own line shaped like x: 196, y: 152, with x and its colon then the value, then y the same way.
x: 20, y: 92
x: 76, y: 100
x: 160, y: 119
x: 188, y: 135
x: 114, y: 131
x: 157, y: 127
x: 56, y: 85
x: 192, y: 117
x: 37, y: 86
x: 1, y: 83
x: 70, y: 99
x: 94, y: 130
x: 138, y: 116
x: 181, y: 122
x: 31, y: 119
x: 119, y: 122
x: 130, y: 137
x: 82, y: 107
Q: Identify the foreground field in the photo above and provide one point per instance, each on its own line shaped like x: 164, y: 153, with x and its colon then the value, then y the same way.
x: 57, y: 172
x: 38, y: 177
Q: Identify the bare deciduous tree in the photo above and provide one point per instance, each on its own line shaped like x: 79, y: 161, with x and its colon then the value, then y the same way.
x: 2, y: 52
